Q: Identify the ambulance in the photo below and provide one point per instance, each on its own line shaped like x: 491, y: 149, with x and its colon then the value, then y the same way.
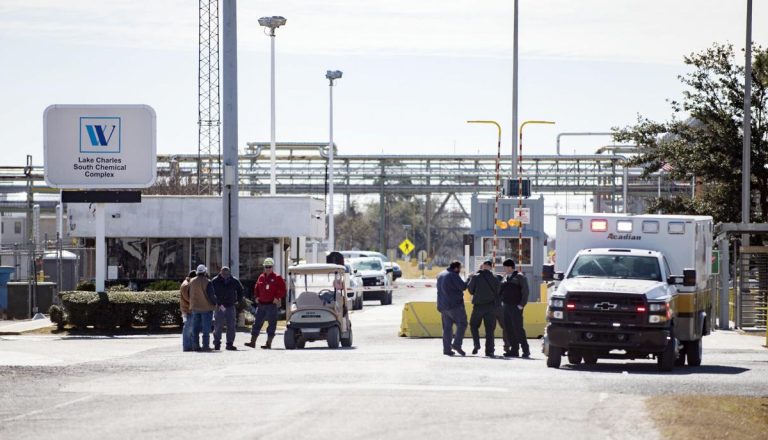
x: 630, y: 287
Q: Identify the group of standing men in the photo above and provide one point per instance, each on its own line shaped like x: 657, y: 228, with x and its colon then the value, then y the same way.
x: 494, y: 298
x: 205, y: 303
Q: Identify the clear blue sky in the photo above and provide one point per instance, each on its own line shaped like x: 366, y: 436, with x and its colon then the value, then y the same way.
x: 414, y: 70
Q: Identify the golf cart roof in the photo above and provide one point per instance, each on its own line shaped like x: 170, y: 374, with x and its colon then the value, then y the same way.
x: 313, y: 269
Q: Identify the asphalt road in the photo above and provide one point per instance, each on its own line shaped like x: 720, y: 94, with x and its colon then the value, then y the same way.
x: 384, y: 387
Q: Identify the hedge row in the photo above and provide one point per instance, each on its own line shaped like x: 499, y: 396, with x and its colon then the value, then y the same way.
x: 121, y: 309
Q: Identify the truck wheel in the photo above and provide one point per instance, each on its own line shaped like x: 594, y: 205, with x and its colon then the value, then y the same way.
x: 553, y: 359
x: 680, y: 361
x: 289, y: 339
x: 666, y: 359
x: 574, y: 357
x: 301, y: 343
x: 693, y: 352
x: 590, y: 358
x: 333, y: 337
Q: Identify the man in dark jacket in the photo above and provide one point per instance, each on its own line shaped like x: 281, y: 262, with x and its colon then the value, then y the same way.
x: 484, y: 287
x: 514, y: 295
x: 450, y: 304
x: 229, y: 291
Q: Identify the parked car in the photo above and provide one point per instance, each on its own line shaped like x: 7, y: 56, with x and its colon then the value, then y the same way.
x: 375, y: 277
x: 354, y: 287
x: 396, y: 271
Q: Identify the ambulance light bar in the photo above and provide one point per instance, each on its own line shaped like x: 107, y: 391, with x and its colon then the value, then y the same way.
x: 599, y: 225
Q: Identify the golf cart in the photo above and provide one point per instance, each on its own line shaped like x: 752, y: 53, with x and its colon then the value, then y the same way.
x: 318, y: 306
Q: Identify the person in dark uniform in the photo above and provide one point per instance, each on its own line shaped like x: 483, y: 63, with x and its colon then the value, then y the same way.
x: 450, y: 304
x: 484, y: 287
x: 514, y: 296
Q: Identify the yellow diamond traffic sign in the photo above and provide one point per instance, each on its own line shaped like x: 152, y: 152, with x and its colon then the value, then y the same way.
x: 406, y: 247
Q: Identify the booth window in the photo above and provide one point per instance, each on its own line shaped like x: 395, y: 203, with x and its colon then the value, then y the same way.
x: 168, y: 258
x: 507, y: 248
x: 129, y: 255
x: 253, y: 252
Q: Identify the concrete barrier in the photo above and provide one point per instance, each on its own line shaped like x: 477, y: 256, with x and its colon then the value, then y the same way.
x: 422, y: 320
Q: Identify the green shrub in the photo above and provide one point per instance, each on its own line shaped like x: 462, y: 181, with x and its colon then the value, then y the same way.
x: 117, y: 288
x: 56, y: 315
x: 164, y: 285
x: 123, y: 309
x: 86, y: 286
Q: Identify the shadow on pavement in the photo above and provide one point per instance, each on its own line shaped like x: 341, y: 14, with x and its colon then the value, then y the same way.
x: 652, y: 369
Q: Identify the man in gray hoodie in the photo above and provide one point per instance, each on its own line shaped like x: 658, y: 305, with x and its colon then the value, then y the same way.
x: 484, y: 288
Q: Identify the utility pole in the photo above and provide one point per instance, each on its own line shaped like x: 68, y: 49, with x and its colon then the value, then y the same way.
x: 230, y: 247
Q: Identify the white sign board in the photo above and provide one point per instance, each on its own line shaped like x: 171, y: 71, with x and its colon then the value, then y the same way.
x: 111, y: 272
x: 523, y: 215
x: 100, y: 146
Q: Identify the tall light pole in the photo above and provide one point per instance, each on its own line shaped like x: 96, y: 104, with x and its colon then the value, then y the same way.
x: 514, y: 93
x: 270, y: 24
x: 230, y: 240
x: 520, y: 188
x: 498, y: 192
x: 331, y: 76
x: 746, y: 170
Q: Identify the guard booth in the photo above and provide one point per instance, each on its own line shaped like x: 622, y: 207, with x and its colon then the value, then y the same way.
x: 533, y: 243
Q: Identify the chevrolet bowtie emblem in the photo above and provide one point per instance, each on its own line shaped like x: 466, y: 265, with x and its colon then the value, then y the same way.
x: 605, y: 306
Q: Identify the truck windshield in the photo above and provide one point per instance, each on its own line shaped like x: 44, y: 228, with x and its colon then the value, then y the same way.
x: 616, y: 266
x: 372, y: 264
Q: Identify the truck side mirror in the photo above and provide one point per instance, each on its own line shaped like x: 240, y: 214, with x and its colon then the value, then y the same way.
x: 389, y: 270
x: 548, y: 272
x: 674, y: 279
x: 689, y: 277
x: 559, y: 276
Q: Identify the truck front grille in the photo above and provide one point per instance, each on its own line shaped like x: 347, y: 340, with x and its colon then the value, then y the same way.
x: 606, y: 308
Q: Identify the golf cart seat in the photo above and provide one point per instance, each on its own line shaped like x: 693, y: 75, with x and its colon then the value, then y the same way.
x: 309, y: 299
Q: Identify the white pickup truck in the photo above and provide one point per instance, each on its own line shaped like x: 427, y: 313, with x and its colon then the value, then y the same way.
x: 630, y: 287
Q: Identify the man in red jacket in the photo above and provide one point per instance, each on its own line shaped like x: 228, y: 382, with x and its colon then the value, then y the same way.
x: 268, y: 293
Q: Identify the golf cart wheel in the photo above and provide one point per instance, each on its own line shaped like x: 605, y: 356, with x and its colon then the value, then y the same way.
x: 554, y: 356
x: 574, y: 357
x: 333, y: 337
x: 693, y: 351
x: 289, y: 339
x: 347, y: 342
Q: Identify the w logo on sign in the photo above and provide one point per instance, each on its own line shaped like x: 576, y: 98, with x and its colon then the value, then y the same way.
x: 99, y: 134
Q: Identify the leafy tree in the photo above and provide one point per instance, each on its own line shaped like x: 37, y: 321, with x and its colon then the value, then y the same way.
x: 359, y: 228
x: 703, y: 138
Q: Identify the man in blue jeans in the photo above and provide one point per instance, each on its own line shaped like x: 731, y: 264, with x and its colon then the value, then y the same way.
x: 202, y: 302
x: 450, y: 304
x: 186, y: 314
x: 229, y: 292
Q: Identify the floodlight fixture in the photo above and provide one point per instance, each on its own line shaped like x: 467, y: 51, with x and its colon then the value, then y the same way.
x: 333, y: 74
x: 272, y: 23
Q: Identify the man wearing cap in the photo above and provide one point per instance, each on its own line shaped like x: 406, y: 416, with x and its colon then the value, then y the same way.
x: 268, y: 293
x: 484, y: 288
x: 229, y: 292
x: 514, y: 294
x: 202, y: 302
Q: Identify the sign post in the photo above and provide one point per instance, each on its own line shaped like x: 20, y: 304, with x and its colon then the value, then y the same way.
x: 100, y: 147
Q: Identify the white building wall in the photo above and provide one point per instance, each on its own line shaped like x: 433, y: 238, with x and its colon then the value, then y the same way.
x: 201, y: 216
